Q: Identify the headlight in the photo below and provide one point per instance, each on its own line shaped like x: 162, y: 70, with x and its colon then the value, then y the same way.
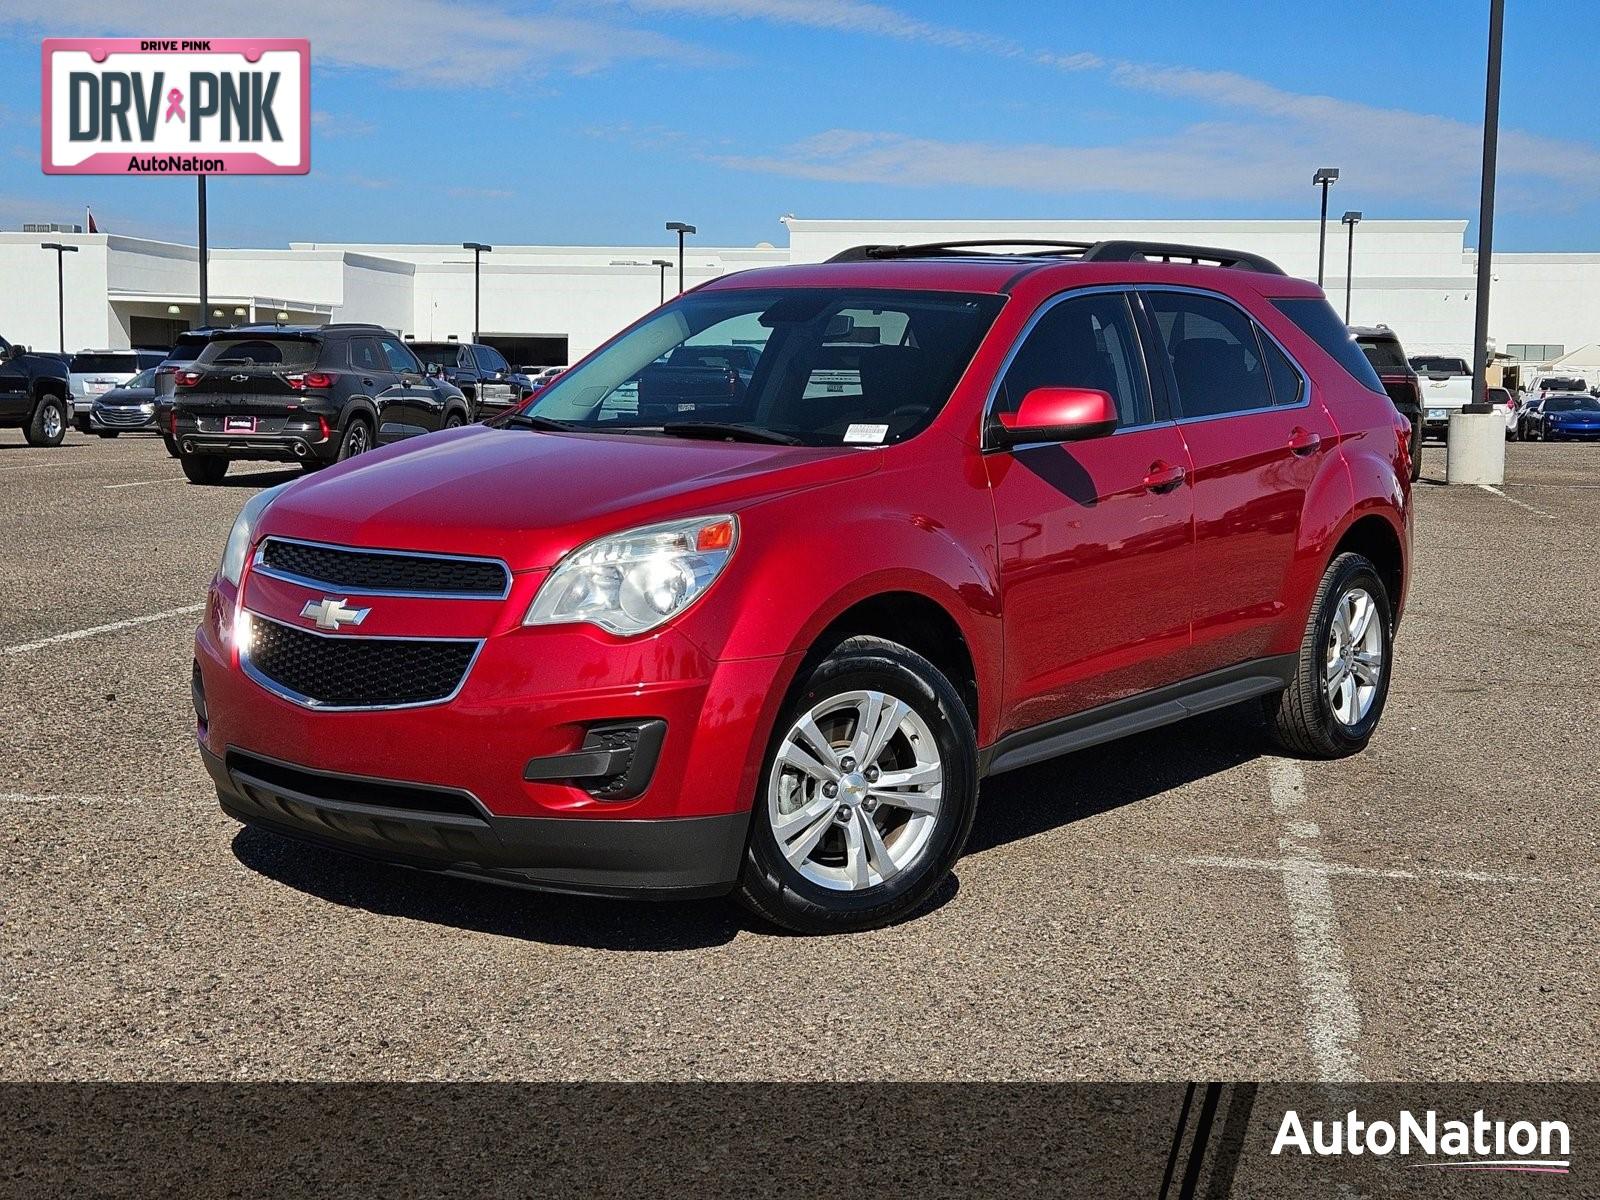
x: 244, y: 532
x: 631, y: 582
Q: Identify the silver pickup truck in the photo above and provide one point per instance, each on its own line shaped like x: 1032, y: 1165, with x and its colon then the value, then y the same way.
x: 1446, y: 386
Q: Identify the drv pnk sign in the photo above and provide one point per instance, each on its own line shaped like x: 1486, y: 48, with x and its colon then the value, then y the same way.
x: 168, y: 106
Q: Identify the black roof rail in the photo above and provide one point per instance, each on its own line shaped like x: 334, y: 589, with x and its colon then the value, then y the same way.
x: 962, y: 249
x: 1117, y: 250
x: 1135, y: 251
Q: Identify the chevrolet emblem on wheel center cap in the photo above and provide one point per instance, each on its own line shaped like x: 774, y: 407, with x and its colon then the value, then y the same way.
x: 329, y: 613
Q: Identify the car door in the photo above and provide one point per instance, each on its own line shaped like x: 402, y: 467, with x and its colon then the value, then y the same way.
x: 1259, y: 440
x: 14, y: 384
x: 380, y: 384
x: 1095, y: 552
x: 493, y: 387
x: 423, y: 404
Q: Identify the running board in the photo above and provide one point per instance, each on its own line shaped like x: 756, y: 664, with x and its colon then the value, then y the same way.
x: 1178, y: 702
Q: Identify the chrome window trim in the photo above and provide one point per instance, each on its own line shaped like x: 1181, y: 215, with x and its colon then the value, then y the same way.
x: 1100, y: 289
x: 258, y: 565
x: 1261, y: 331
x: 277, y: 689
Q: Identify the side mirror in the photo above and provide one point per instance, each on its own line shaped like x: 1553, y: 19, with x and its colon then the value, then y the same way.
x: 432, y: 370
x: 1058, y: 414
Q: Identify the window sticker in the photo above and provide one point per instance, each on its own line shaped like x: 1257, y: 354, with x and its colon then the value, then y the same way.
x: 865, y: 435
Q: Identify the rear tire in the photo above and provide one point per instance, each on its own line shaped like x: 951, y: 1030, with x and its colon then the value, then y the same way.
x: 48, y: 425
x: 357, y: 439
x: 1341, y: 679
x: 1418, y: 430
x: 206, y: 469
x: 868, y: 842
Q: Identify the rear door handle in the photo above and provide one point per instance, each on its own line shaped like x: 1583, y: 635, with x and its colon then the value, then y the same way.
x: 1164, y: 477
x: 366, y: 383
x: 1303, y: 441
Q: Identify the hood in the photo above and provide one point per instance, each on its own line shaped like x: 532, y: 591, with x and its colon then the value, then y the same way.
x: 530, y: 497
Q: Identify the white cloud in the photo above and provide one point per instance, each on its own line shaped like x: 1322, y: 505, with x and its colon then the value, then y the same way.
x: 428, y: 41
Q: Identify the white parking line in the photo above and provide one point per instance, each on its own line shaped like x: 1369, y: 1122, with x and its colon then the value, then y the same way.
x: 1236, y: 863
x: 143, y: 483
x: 34, y: 466
x: 1494, y: 491
x: 92, y: 631
x: 1333, y: 1022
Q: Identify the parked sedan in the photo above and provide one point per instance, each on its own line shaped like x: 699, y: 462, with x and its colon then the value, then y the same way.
x: 1566, y: 416
x: 127, y: 407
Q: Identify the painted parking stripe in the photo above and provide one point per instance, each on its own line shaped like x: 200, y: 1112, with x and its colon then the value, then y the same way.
x: 1494, y: 491
x: 96, y: 630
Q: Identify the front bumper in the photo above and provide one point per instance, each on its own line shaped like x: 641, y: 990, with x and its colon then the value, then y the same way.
x: 667, y: 858
x: 121, y: 418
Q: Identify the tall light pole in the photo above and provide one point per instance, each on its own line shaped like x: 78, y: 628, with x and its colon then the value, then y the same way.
x: 1351, y: 219
x: 663, y: 263
x: 1325, y: 178
x: 478, y: 251
x: 61, y: 291
x: 680, y: 229
x: 1491, y: 144
x: 203, y: 255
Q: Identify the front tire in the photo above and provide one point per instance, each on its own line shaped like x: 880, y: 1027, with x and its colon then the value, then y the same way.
x: 867, y: 794
x: 205, y: 469
x: 1341, y: 679
x: 48, y: 425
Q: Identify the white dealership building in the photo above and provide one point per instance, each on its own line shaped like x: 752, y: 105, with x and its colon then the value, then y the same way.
x: 551, y: 304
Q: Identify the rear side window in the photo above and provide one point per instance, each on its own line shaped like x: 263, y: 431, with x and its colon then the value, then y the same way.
x: 1316, y: 319
x: 1288, y: 386
x: 1214, y: 353
x: 287, y: 352
x: 1082, y: 342
x: 365, y: 355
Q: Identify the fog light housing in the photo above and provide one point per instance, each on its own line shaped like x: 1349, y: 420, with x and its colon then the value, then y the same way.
x: 614, y: 763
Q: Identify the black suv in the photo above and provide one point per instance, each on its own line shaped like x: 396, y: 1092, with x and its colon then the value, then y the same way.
x: 1383, y: 350
x: 33, y: 394
x: 312, y: 394
x: 481, y: 372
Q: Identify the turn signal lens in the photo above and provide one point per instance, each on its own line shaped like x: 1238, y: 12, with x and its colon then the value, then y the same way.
x: 715, y: 537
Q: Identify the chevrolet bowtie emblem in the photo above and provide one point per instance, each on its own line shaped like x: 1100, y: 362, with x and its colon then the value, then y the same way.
x: 329, y: 613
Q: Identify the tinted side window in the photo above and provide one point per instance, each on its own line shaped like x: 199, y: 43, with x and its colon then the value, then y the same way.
x: 1287, y: 385
x: 1214, y: 354
x: 398, y: 357
x: 1083, y: 342
x: 365, y: 355
x: 489, y: 359
x: 1318, y: 321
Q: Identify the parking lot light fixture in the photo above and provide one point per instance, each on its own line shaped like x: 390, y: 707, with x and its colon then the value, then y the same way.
x: 1325, y: 178
x: 479, y: 249
x: 679, y: 228
x: 61, y: 299
x: 1350, y: 219
x: 662, y: 264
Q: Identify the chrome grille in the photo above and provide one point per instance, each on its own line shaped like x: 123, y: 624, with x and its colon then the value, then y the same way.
x: 343, y: 568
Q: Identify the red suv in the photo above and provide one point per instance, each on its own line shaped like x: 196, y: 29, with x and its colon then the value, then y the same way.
x: 975, y: 506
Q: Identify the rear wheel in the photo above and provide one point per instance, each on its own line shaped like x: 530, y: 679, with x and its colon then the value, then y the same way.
x: 1341, y: 679
x: 205, y: 469
x: 867, y: 795
x: 357, y: 439
x: 48, y: 425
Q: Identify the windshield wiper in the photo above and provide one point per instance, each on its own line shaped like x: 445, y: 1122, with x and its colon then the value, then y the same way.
x: 730, y: 431
x: 530, y: 421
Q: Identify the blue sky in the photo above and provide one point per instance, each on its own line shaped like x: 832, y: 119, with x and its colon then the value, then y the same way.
x: 560, y: 122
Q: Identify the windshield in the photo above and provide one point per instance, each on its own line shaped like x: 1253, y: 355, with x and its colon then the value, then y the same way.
x: 258, y: 351
x: 446, y: 354
x: 111, y: 364
x: 1555, y: 404
x: 1430, y: 365
x: 813, y: 366
x: 1563, y: 385
x: 145, y: 378
x: 187, y: 347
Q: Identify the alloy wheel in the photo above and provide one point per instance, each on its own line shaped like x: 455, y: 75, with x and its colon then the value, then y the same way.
x: 855, y: 791
x: 1354, y: 663
x: 53, y: 425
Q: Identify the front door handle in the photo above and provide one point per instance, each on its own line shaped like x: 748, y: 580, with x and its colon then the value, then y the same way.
x: 1303, y: 442
x: 1164, y: 477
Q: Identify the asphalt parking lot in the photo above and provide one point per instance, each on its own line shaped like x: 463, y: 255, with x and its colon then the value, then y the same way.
x: 1180, y: 906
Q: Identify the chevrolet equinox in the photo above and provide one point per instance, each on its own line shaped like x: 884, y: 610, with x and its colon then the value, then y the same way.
x: 974, y: 506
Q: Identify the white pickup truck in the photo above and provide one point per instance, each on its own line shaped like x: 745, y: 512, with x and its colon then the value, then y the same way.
x: 1446, y: 387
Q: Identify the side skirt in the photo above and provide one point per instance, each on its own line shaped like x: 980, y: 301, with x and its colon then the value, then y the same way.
x: 1176, y: 702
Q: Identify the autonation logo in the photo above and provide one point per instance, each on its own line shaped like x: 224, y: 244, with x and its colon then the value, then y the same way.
x: 1480, y: 1144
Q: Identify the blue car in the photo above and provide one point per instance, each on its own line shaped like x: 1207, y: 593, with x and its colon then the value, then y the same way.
x: 1561, y: 417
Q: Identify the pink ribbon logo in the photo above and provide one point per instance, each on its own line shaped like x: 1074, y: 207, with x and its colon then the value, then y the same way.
x: 175, y: 106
